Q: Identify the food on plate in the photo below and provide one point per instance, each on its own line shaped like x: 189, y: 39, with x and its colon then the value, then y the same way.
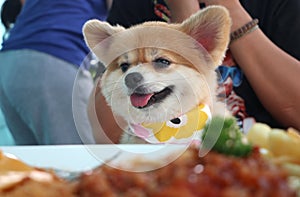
x: 214, y: 174
x: 282, y: 146
x: 281, y: 143
x: 18, y: 179
x: 259, y: 135
x: 278, y: 142
x: 235, y: 166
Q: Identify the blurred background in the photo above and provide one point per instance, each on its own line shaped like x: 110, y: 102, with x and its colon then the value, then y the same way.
x: 1, y: 26
x: 5, y: 136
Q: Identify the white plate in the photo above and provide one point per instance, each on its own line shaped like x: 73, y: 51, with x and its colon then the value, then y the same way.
x: 86, y: 157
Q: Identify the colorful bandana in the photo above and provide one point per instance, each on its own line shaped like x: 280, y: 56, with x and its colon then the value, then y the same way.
x: 185, y: 129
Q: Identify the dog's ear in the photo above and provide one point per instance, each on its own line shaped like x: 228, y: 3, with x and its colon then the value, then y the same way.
x: 211, y: 28
x: 95, y: 31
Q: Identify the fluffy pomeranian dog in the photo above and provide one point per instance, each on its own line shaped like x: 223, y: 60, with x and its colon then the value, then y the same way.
x: 156, y: 72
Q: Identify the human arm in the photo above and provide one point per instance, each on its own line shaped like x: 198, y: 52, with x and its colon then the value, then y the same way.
x: 272, y: 73
x: 104, y: 125
x: 181, y: 10
x: 109, y: 3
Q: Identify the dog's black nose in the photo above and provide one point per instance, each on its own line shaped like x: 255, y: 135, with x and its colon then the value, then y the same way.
x: 133, y: 80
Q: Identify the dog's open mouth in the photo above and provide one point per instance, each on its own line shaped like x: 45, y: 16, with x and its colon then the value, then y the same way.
x: 145, y: 100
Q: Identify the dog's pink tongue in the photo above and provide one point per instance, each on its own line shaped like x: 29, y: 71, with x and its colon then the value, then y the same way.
x: 140, y: 100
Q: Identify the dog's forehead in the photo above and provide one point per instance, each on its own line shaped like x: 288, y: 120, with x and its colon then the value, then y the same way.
x: 140, y: 55
x: 144, y: 43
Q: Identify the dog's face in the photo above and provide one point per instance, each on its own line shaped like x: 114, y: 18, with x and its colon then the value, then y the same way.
x: 158, y: 71
x: 152, y: 85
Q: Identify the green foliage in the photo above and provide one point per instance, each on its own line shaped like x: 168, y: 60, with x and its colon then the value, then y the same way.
x: 230, y: 141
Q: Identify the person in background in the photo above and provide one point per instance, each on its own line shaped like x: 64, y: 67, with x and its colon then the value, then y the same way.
x: 40, y: 62
x: 262, y: 62
x: 262, y: 66
x: 10, y: 9
x: 132, y: 12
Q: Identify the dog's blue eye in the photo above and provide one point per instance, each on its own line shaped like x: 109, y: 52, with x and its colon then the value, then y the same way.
x: 161, y: 62
x: 124, y: 66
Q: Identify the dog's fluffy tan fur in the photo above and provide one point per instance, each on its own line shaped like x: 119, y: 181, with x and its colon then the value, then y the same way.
x: 157, y: 56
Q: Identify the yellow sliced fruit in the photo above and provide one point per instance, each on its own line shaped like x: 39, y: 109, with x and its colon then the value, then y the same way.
x: 283, y: 144
x: 259, y: 135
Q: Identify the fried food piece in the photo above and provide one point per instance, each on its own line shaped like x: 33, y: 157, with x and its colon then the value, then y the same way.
x: 18, y: 179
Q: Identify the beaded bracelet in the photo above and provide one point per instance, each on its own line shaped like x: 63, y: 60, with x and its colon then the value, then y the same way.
x: 245, y: 29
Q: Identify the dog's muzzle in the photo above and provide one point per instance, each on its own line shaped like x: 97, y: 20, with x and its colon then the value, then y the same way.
x: 140, y: 96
